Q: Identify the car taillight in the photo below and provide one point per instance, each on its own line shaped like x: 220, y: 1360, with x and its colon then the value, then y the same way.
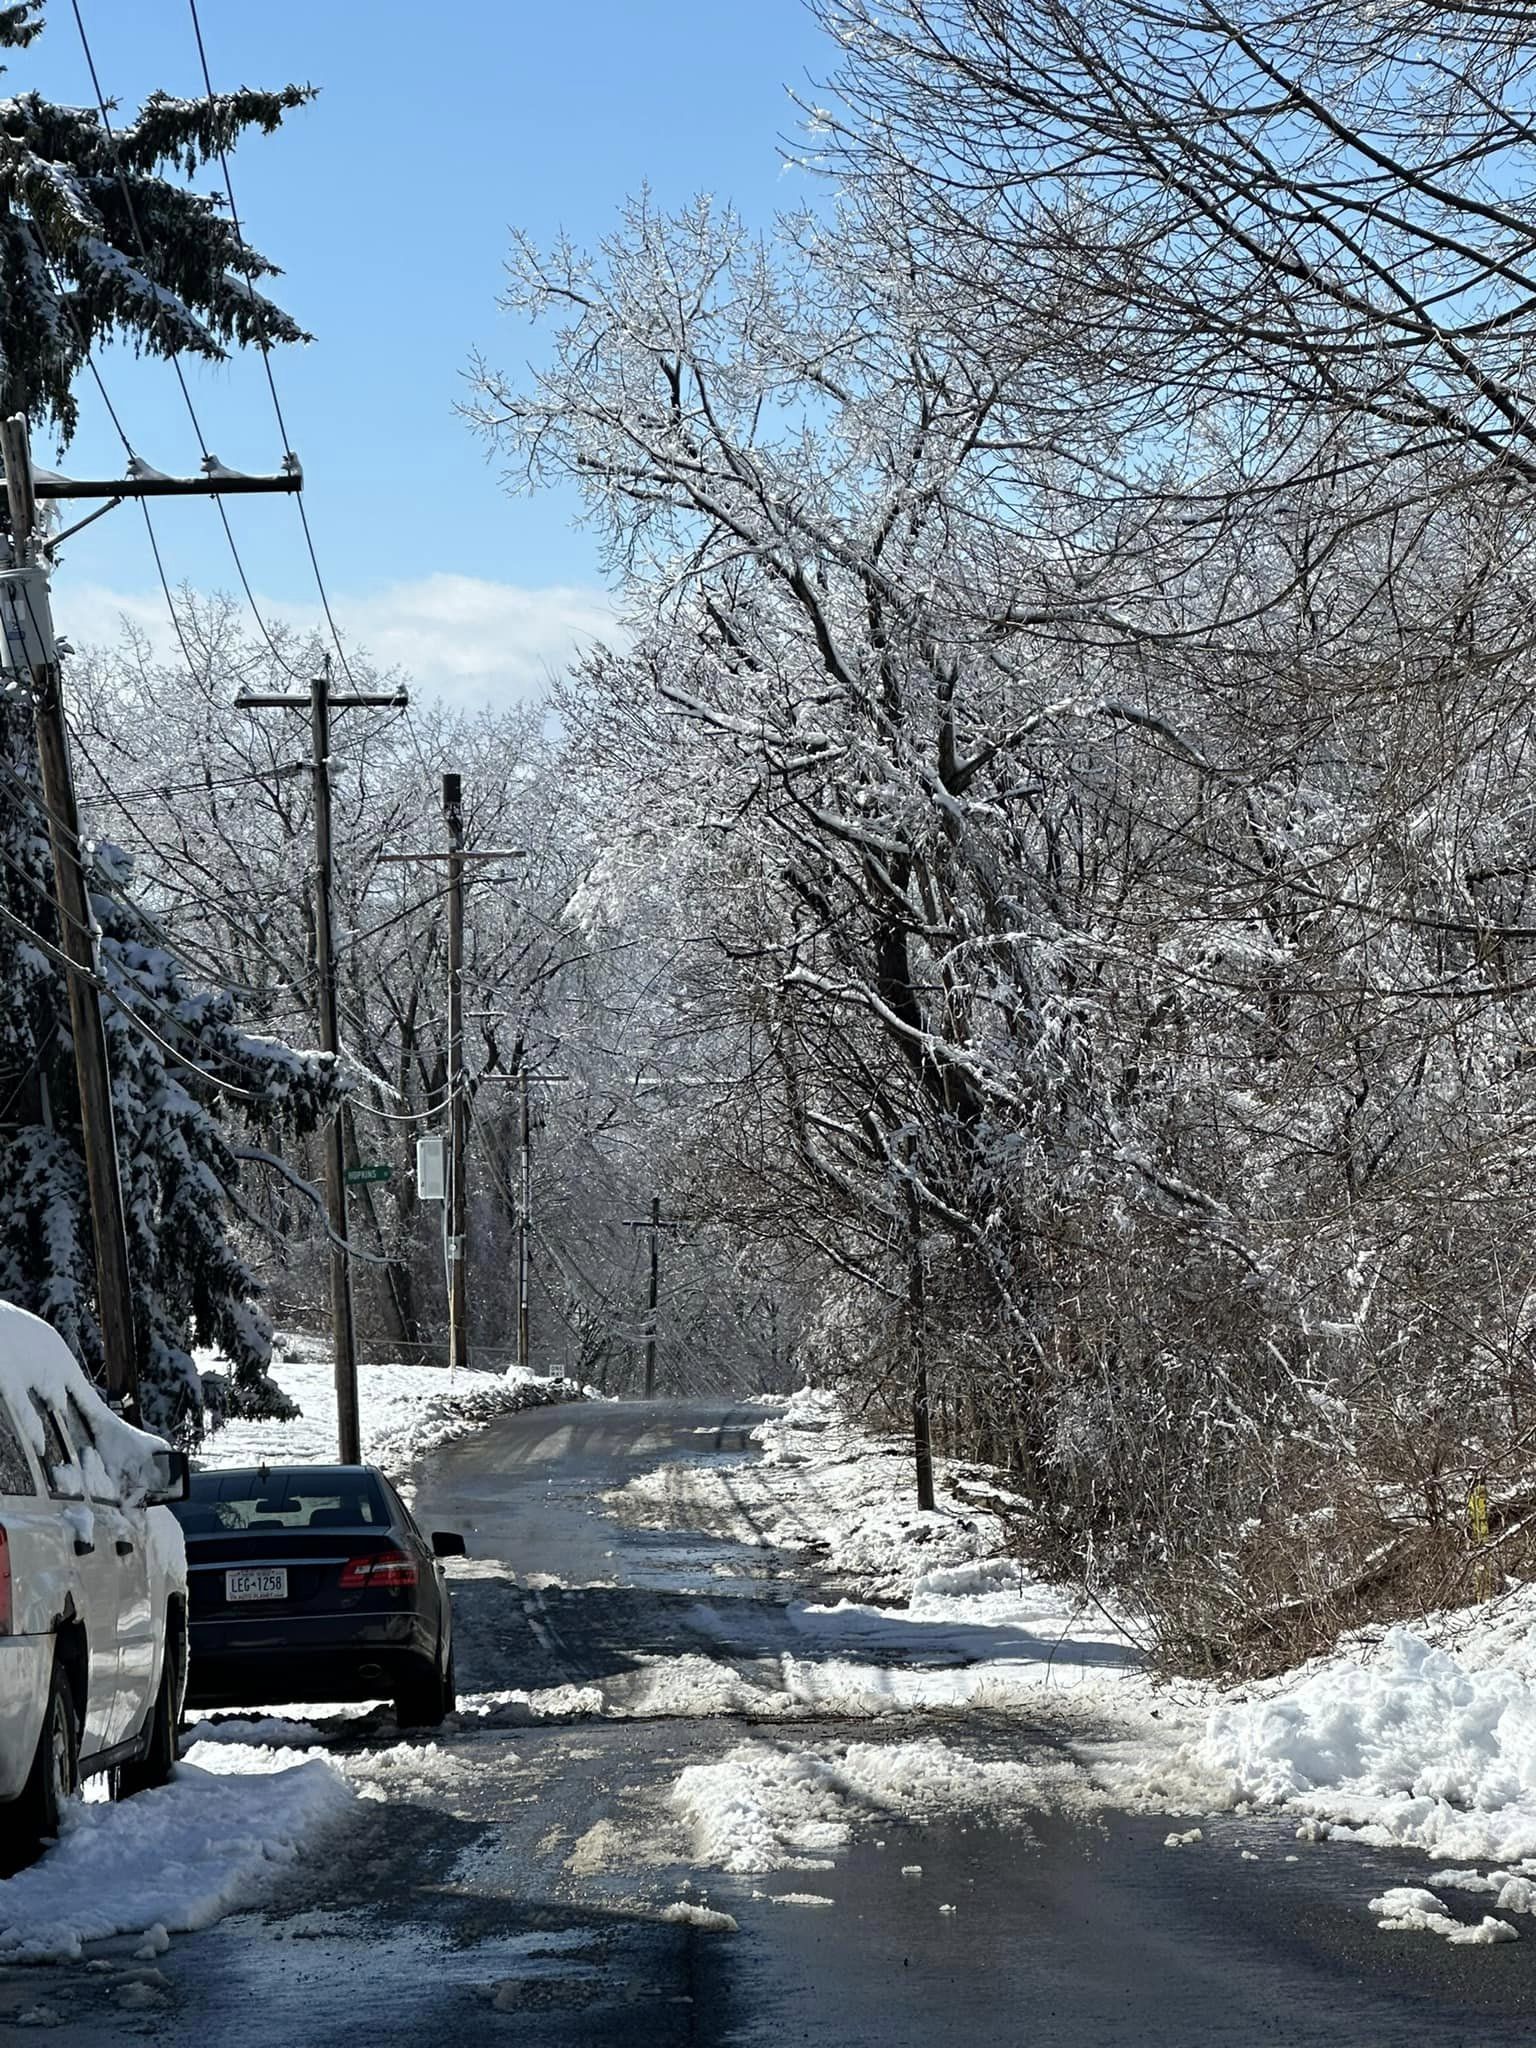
x: 379, y: 1568
x: 6, y: 1609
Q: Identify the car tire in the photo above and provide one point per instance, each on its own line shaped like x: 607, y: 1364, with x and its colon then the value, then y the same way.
x: 155, y: 1766
x: 37, y: 1816
x: 427, y: 1701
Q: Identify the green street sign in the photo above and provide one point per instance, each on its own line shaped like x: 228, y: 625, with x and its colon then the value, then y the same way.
x: 361, y: 1176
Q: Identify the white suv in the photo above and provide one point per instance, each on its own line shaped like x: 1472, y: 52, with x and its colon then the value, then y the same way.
x: 93, y: 1590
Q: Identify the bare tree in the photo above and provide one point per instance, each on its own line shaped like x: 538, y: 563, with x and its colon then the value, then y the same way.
x: 1117, y: 863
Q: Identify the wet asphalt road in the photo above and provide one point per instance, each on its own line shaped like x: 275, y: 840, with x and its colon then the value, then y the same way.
x: 467, y: 1910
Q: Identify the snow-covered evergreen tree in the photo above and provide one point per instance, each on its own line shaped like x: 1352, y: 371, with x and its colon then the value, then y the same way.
x: 95, y: 243
x: 171, y: 1044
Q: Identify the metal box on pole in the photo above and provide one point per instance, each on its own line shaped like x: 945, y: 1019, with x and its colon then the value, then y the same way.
x: 26, y: 624
x: 431, y: 1169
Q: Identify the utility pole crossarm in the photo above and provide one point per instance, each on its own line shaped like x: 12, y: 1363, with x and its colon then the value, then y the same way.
x: 215, y: 482
x: 395, y: 700
x: 463, y: 853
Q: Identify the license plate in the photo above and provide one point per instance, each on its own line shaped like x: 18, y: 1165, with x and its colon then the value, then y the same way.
x: 271, y: 1584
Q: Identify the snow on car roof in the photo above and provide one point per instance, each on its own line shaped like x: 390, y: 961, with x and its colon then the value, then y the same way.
x: 34, y: 1359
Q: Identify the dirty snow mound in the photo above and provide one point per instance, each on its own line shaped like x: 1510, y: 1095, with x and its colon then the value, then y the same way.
x: 683, y: 1913
x: 1412, y: 1740
x: 765, y: 1808
x: 1409, y: 1909
x: 174, y: 1859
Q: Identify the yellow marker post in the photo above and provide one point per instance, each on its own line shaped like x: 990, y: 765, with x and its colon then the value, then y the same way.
x: 1477, y: 1520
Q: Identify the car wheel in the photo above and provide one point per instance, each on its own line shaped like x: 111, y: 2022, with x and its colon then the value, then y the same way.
x: 155, y: 1766
x: 426, y: 1701
x: 53, y: 1780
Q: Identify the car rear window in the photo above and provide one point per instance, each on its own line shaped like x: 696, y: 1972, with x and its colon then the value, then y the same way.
x: 268, y: 1503
x: 15, y: 1472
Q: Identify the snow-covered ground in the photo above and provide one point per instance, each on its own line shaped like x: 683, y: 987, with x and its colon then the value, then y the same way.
x: 941, y: 1614
x: 246, y: 1805
x: 404, y: 1411
x: 830, y: 1492
x: 247, y: 1802
x: 1422, y: 1738
x: 174, y: 1859
x: 1418, y: 1738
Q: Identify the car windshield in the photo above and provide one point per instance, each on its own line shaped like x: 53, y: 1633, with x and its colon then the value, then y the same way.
x: 267, y: 1502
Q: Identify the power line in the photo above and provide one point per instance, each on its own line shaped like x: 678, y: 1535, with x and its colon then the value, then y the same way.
x: 265, y: 346
x: 179, y: 945
x: 414, y: 1116
x: 175, y: 358
x: 166, y: 791
x: 33, y: 1066
x: 135, y: 461
x: 88, y: 931
x: 62, y: 298
x: 174, y: 352
x: 103, y: 987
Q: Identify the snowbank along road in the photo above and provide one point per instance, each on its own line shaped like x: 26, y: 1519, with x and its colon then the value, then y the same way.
x: 694, y: 1797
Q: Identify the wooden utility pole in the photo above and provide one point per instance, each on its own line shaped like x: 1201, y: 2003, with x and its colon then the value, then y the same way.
x: 655, y: 1226
x: 650, y: 1320
x: 343, y: 1325
x: 320, y: 703
x: 27, y: 620
x: 77, y: 934
x: 524, y: 1218
x: 523, y: 1074
x: 917, y: 1337
x: 458, y: 1096
x: 456, y: 1219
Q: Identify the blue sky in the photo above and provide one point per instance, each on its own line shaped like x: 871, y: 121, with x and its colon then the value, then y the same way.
x: 387, y: 203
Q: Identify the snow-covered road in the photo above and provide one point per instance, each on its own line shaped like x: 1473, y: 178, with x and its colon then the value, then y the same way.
x: 695, y: 1797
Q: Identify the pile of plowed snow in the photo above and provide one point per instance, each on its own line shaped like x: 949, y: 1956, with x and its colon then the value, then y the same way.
x: 405, y: 1411
x: 1425, y: 1737
x: 174, y: 1859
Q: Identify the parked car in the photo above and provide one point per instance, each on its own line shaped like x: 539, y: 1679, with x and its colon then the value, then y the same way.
x: 313, y: 1582
x: 93, y: 1590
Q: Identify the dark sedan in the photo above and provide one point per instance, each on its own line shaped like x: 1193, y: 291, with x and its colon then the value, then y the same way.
x: 313, y: 1582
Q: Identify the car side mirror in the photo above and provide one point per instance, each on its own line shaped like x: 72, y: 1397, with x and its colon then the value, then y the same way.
x: 446, y: 1543
x: 172, y: 1480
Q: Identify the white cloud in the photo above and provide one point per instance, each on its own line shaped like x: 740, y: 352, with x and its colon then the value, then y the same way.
x: 459, y: 638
